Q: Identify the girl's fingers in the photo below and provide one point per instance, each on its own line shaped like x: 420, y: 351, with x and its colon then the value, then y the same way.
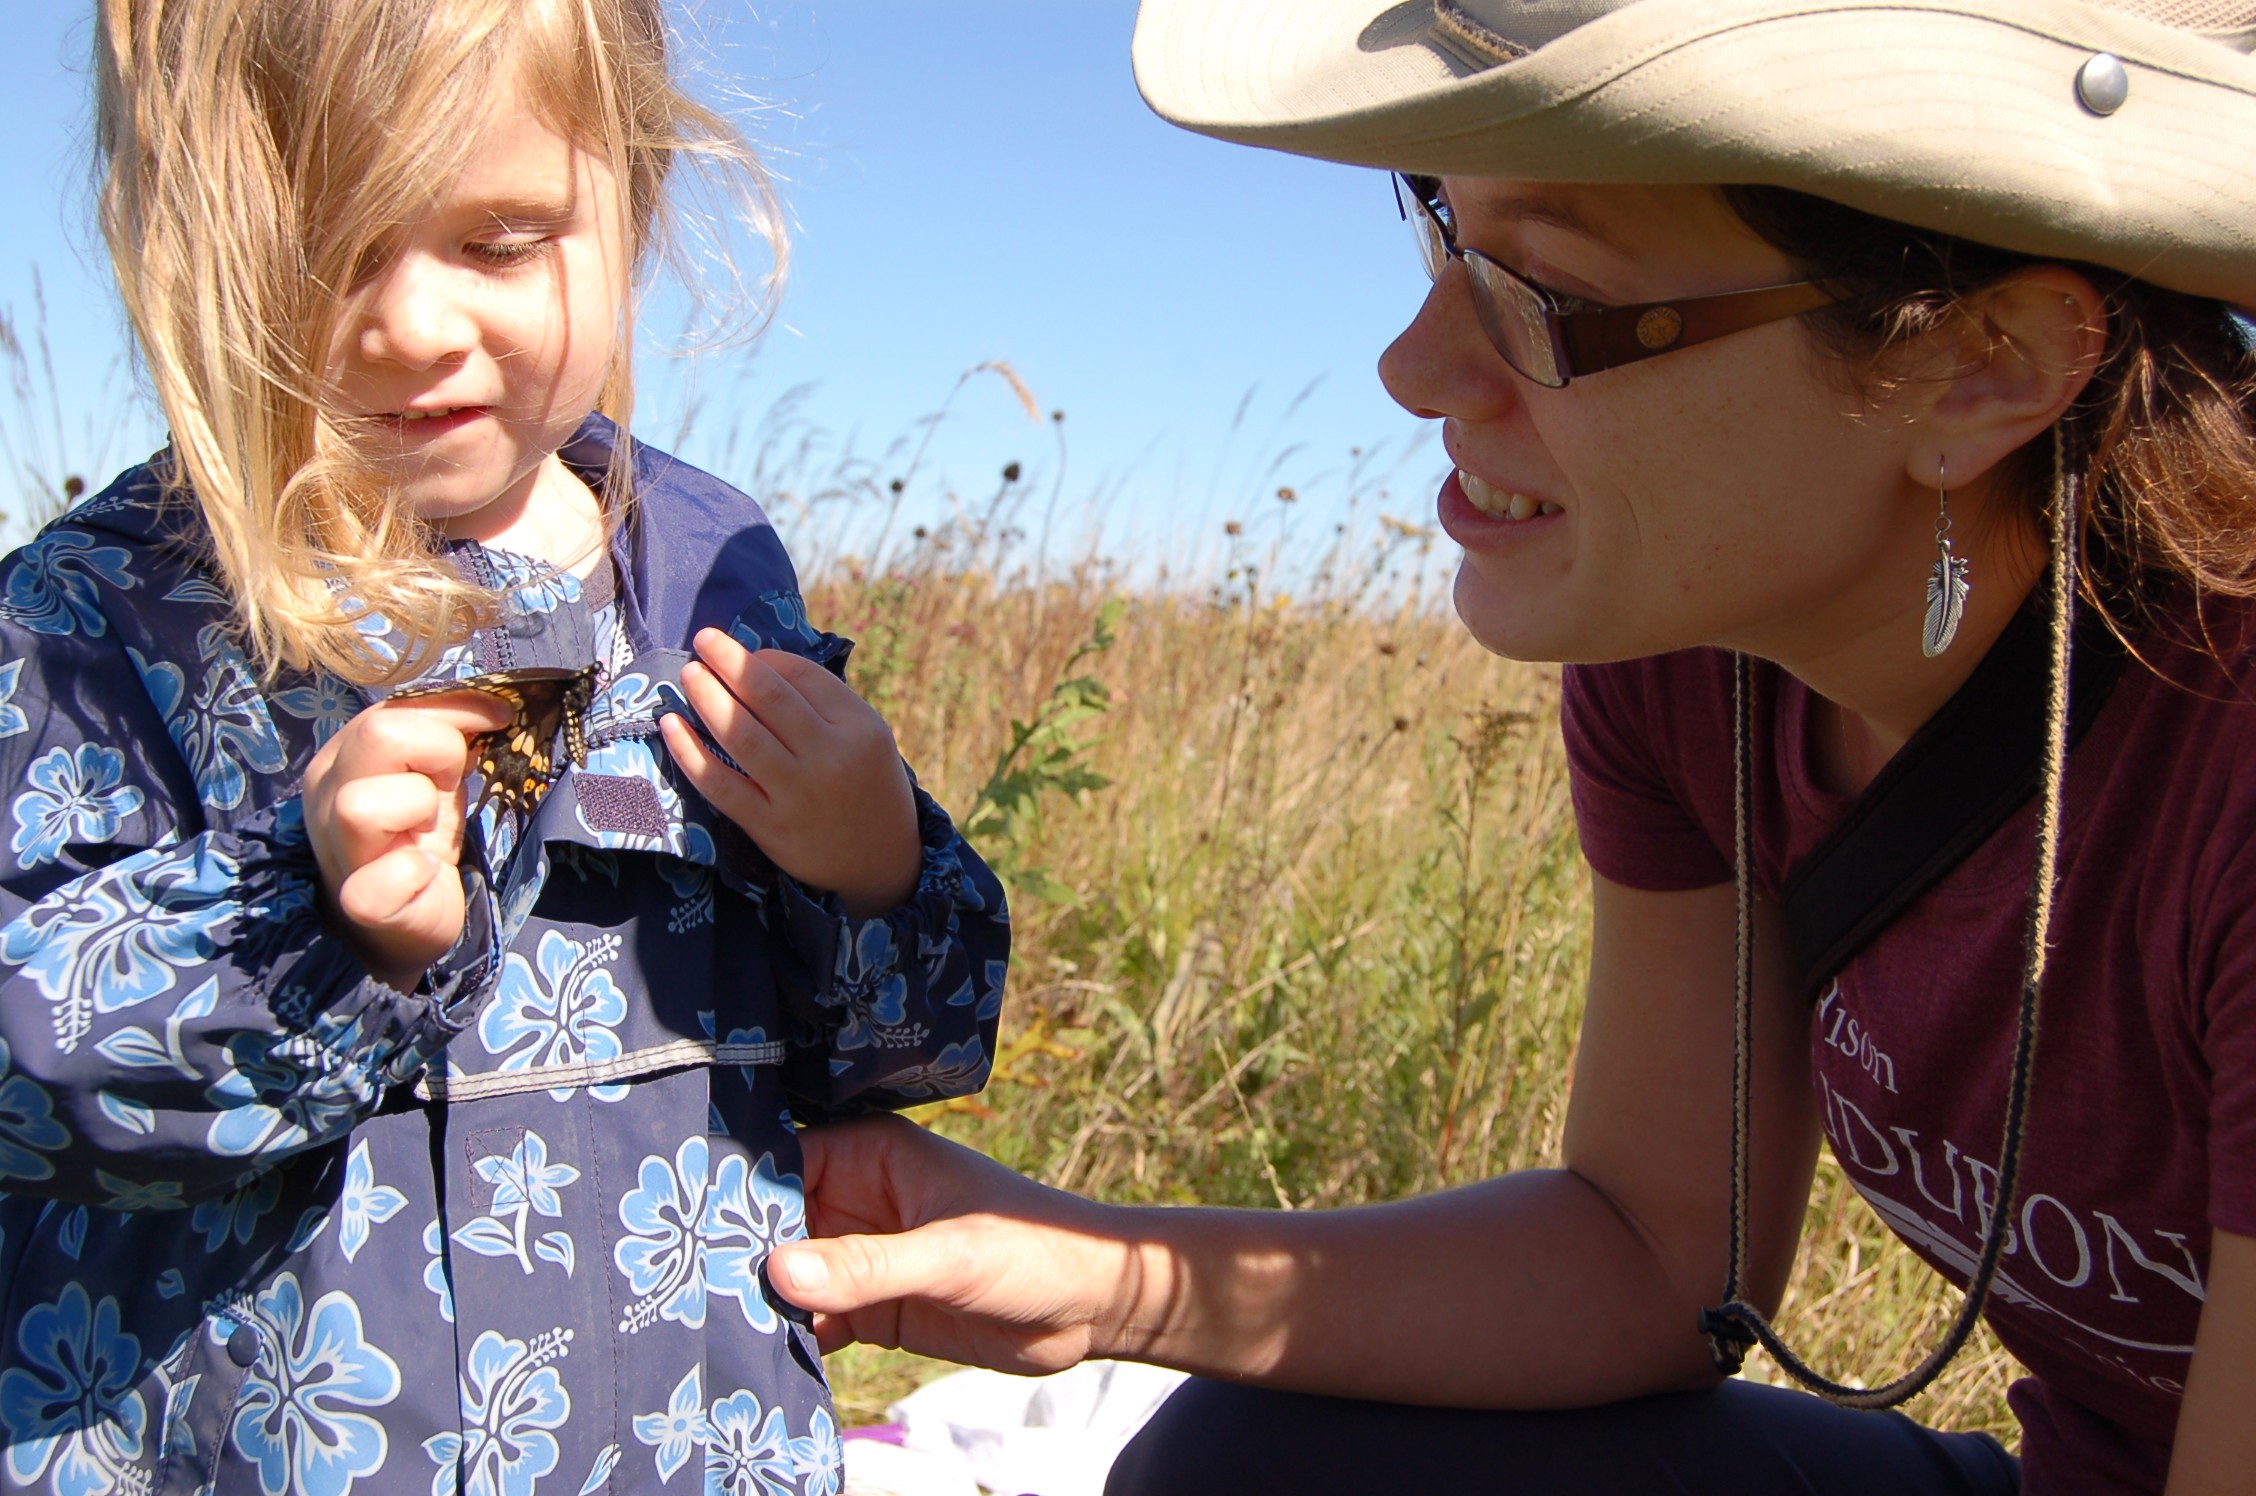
x: 828, y: 696
x: 430, y: 738
x: 748, y: 739
x: 372, y: 813
x: 764, y: 691
x: 727, y: 791
x: 402, y: 892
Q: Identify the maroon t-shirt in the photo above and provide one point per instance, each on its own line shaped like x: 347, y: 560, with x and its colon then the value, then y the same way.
x: 2142, y: 1126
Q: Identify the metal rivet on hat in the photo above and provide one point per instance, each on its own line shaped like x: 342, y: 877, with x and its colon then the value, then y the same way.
x: 2102, y: 84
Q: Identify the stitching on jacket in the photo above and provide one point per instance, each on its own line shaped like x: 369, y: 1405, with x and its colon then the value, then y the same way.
x: 675, y: 1056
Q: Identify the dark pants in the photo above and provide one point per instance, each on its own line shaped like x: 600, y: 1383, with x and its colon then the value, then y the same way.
x: 1740, y: 1440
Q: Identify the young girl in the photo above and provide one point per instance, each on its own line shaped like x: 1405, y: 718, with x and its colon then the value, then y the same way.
x: 352, y: 1145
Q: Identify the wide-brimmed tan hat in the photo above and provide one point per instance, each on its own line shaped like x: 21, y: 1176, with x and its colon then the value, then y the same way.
x: 2121, y: 132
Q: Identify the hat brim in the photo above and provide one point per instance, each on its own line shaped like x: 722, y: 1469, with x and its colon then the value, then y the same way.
x: 1938, y: 114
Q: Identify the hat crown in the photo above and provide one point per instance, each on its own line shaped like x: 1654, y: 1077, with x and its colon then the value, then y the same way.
x: 1501, y: 30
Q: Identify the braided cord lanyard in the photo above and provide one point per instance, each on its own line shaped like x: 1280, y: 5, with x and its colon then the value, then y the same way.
x: 1735, y: 1326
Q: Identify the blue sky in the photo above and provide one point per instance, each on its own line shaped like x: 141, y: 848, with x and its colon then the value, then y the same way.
x: 968, y: 181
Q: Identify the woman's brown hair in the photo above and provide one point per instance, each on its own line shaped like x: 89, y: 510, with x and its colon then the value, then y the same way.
x: 2165, y: 425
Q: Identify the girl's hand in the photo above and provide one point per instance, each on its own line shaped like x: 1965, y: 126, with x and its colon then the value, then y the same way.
x: 384, y: 809
x: 823, y: 790
x: 925, y: 1244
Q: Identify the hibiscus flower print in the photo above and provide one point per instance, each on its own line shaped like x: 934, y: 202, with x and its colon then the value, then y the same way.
x: 676, y: 1430
x: 120, y: 939
x: 820, y: 1456
x: 511, y: 1398
x: 749, y: 1209
x: 54, y: 586
x: 365, y: 1204
x: 297, y: 1417
x: 525, y: 1184
x: 662, y: 1255
x: 224, y: 732
x: 748, y: 1455
x: 70, y: 1405
x: 957, y: 1070
x: 324, y: 701
x: 12, y: 718
x: 564, y: 1003
x: 73, y: 797
x: 869, y: 986
x: 28, y: 1128
x: 287, y: 1090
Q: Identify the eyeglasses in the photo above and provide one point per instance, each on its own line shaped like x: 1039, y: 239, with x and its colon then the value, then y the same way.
x: 1551, y: 338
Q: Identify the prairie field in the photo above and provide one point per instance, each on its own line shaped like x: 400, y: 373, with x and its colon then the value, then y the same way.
x: 1299, y: 912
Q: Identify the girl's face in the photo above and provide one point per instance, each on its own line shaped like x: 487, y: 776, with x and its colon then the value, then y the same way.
x: 1735, y: 492
x: 487, y: 336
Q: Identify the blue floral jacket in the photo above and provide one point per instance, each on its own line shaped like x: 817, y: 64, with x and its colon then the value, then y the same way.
x: 271, y: 1226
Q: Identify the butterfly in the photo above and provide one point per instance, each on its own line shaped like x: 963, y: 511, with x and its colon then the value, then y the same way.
x: 519, y: 760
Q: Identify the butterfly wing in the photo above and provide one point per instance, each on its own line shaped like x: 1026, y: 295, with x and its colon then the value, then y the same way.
x: 518, y: 759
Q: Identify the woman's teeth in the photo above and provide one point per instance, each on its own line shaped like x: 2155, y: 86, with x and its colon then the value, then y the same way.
x: 430, y: 415
x: 1498, y: 504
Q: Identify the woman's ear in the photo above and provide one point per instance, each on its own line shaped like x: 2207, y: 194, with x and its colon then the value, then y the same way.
x: 2019, y: 354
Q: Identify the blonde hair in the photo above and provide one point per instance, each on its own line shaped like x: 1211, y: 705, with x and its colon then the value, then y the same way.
x: 259, y: 155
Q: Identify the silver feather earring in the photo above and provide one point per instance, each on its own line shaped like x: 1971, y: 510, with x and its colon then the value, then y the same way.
x: 1946, y: 584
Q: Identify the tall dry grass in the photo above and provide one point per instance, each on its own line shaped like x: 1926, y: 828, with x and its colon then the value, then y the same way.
x: 1300, y: 917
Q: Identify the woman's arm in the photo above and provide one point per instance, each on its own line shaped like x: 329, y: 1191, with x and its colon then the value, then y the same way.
x: 2216, y: 1444
x: 1545, y: 1288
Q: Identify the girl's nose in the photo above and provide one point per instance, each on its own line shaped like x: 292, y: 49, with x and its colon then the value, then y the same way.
x: 1443, y: 364
x: 415, y: 316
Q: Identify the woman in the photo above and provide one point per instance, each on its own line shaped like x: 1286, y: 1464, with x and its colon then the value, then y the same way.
x: 1971, y: 334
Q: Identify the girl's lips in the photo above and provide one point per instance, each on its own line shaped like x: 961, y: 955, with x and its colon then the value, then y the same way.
x: 1489, y: 523
x: 419, y: 427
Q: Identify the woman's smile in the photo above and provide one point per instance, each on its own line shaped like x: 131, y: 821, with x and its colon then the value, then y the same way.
x: 1481, y: 517
x: 1501, y: 503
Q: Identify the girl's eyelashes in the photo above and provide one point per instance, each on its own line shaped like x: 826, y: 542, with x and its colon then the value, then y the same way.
x: 501, y: 254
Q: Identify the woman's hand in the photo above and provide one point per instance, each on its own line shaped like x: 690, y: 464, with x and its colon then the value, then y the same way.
x: 927, y: 1245
x: 384, y: 810
x: 823, y: 790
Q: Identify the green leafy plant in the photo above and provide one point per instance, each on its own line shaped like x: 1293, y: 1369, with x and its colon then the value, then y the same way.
x: 1045, y: 756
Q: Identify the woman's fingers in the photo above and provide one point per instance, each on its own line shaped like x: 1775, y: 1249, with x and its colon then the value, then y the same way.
x: 930, y: 1245
x: 840, y: 1274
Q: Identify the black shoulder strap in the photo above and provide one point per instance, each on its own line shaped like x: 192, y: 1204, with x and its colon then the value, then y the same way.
x: 1959, y: 778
